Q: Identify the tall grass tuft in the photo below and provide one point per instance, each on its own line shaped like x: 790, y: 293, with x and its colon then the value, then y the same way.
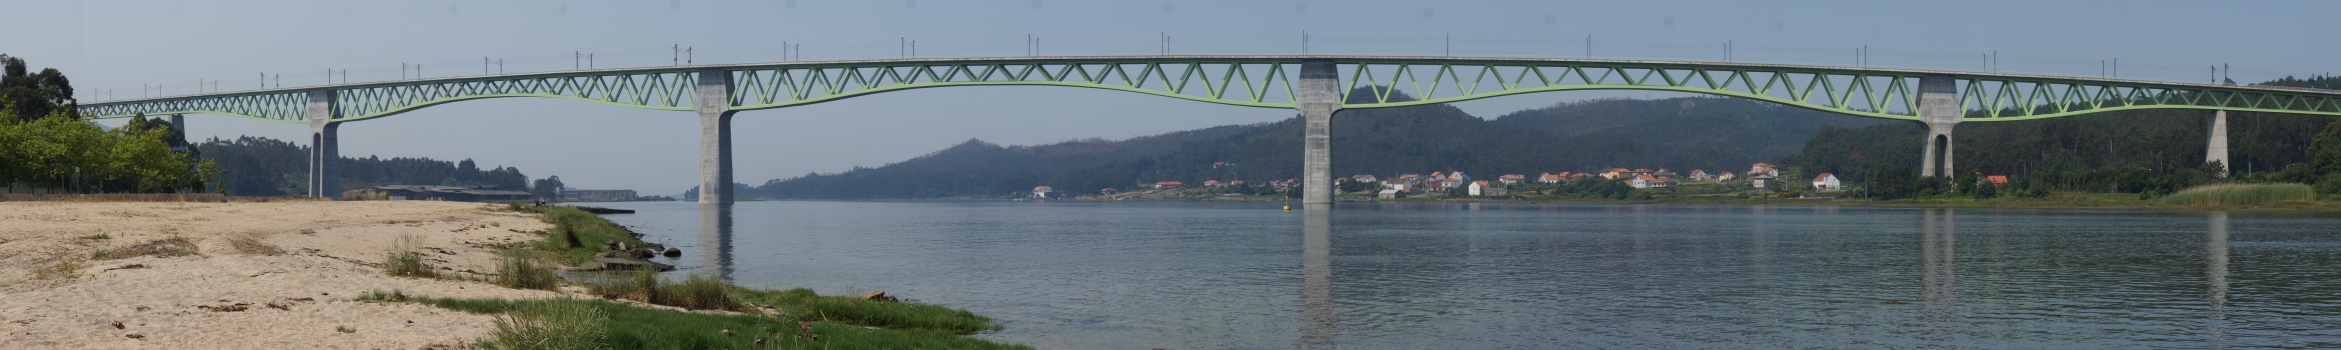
x: 695, y: 292
x: 550, y: 325
x: 515, y: 269
x: 698, y: 293
x: 636, y: 285
x: 405, y: 261
x: 2241, y: 194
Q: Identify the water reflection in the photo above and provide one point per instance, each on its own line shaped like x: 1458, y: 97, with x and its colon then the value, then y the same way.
x: 715, y: 240
x: 1317, y: 278
x: 1938, y: 306
x: 2216, y: 272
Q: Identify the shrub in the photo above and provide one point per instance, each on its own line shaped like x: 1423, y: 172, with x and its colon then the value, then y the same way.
x: 2331, y: 185
x: 550, y: 325
x: 2240, y: 194
x: 404, y: 261
x: 517, y: 270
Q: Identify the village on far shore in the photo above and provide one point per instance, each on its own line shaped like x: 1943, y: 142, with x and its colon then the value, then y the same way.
x: 1761, y: 179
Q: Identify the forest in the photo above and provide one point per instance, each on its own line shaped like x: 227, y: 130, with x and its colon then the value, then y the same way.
x: 262, y: 166
x: 2152, y: 151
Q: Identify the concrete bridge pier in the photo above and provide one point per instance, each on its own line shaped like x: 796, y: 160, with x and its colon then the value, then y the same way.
x: 713, y: 97
x: 2217, y: 152
x: 1938, y: 108
x: 1318, y: 96
x: 324, y: 149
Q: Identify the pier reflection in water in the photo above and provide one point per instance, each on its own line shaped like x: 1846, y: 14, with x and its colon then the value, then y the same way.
x: 715, y: 240
x: 1442, y: 275
x: 1317, y: 309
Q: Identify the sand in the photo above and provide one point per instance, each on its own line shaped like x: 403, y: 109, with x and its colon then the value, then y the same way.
x: 292, y: 267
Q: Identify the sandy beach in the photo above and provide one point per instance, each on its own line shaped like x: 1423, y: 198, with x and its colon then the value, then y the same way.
x: 243, y: 275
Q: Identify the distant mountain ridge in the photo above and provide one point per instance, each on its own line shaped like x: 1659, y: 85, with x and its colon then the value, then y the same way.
x: 1681, y: 133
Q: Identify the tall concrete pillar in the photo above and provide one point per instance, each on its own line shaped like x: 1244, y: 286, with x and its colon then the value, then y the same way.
x: 714, y: 100
x: 1318, y: 96
x: 324, y: 149
x: 1938, y: 108
x: 2217, y: 151
x: 179, y: 121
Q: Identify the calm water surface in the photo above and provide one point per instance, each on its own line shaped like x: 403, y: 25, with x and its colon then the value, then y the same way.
x: 1415, y: 276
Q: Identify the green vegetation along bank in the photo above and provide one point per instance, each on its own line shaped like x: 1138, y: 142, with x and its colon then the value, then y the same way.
x: 636, y: 309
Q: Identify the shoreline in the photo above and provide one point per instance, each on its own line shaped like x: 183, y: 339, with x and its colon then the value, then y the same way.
x: 2002, y: 203
x: 320, y: 274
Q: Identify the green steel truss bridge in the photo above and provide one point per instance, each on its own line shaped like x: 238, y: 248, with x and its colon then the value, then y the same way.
x: 1316, y: 85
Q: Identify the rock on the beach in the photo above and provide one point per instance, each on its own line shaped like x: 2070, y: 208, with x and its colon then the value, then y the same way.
x: 672, y: 252
x: 613, y: 260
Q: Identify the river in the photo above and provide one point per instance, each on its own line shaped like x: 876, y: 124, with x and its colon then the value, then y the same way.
x: 1436, y: 275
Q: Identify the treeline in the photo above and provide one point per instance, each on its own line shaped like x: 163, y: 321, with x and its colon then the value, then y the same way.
x: 2149, y: 151
x: 262, y: 166
x: 44, y: 143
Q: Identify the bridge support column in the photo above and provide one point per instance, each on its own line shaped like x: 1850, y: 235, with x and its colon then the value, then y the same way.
x: 324, y: 148
x: 713, y: 97
x: 1938, y: 108
x: 1318, y: 96
x: 2217, y: 152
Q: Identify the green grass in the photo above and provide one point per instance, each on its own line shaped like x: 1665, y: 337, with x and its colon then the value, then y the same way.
x: 629, y: 327
x: 345, y: 329
x: 2242, y: 194
x: 804, y: 303
x: 559, y: 324
x: 576, y: 235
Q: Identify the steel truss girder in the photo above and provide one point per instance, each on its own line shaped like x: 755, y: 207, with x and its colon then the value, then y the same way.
x: 1266, y: 81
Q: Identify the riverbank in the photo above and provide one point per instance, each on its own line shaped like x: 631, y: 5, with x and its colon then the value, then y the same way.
x: 242, y: 275
x: 299, y: 275
x: 2055, y: 200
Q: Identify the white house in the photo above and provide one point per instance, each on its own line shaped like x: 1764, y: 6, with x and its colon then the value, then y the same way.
x: 1763, y: 168
x: 1042, y: 191
x: 1701, y: 175
x: 1647, y: 181
x: 1760, y: 180
x: 1482, y: 188
x: 1827, y: 183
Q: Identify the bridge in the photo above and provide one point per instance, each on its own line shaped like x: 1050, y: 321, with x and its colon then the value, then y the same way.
x: 1316, y: 85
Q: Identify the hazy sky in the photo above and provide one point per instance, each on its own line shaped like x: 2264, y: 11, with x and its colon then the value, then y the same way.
x: 120, y: 46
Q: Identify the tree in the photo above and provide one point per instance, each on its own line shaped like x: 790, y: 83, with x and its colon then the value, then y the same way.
x: 35, y: 95
x: 549, y: 187
x: 1984, y: 189
x: 2324, y: 152
x: 1893, y: 181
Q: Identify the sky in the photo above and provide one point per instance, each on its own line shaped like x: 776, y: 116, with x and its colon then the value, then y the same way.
x: 124, y: 49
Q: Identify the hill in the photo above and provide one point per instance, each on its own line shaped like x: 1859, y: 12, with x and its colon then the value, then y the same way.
x: 1679, y: 133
